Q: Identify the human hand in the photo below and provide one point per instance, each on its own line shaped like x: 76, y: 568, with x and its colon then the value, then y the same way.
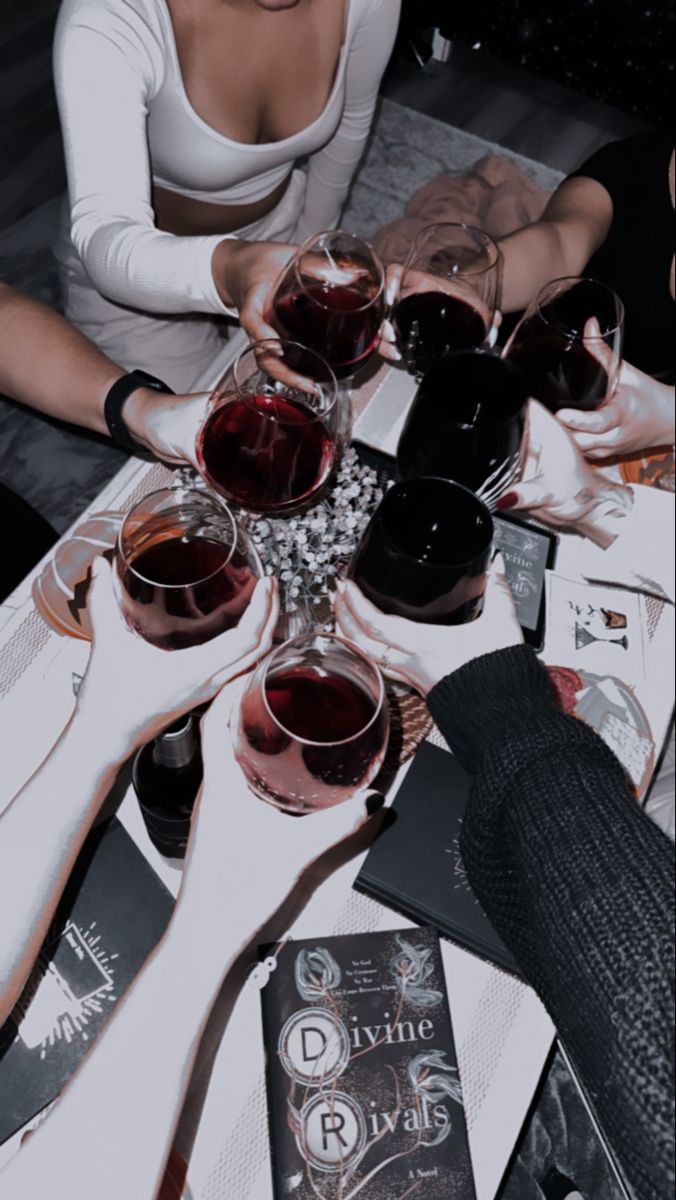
x: 246, y: 851
x: 418, y: 654
x: 639, y: 416
x: 559, y: 487
x: 246, y: 275
x: 167, y: 425
x: 133, y: 689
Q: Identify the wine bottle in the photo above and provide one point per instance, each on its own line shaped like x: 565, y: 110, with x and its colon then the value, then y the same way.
x: 167, y: 775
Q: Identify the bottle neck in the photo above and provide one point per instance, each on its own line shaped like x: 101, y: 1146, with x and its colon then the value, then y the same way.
x: 177, y: 746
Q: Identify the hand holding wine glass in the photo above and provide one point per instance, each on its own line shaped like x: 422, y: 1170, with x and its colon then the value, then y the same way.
x: 246, y: 274
x: 447, y: 296
x: 312, y: 726
x: 559, y: 487
x: 330, y: 298
x: 418, y: 654
x: 142, y: 688
x: 638, y: 416
x: 268, y: 446
x: 568, y: 345
x: 236, y: 840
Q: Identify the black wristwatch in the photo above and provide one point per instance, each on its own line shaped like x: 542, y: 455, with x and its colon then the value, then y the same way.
x: 116, y: 400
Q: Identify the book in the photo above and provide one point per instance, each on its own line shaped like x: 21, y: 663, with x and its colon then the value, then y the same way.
x: 364, y: 1095
x: 112, y: 913
x: 416, y: 866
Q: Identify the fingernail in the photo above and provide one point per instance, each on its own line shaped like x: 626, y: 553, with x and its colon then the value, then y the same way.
x: 509, y: 500
x: 374, y: 803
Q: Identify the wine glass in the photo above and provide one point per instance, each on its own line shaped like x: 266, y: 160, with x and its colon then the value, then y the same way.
x: 313, y: 724
x: 568, y: 344
x: 184, y: 570
x: 425, y: 553
x: 447, y: 295
x: 330, y: 298
x: 468, y: 423
x: 269, y: 444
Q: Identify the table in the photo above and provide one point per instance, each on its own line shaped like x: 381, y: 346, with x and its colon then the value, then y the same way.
x: 503, y: 1034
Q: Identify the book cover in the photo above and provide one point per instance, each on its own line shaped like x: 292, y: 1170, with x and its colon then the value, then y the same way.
x: 113, y: 912
x: 364, y: 1094
x: 416, y: 866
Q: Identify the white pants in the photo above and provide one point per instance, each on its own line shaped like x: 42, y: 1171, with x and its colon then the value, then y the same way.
x: 178, y: 349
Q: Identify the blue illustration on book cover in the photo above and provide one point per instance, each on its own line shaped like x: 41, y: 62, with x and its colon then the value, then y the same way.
x: 363, y: 1086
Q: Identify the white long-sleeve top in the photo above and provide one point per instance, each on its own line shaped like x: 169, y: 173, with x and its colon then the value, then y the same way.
x: 127, y: 123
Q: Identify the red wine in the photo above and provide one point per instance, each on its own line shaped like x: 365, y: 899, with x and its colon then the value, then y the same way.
x: 429, y: 325
x: 333, y: 322
x: 266, y: 453
x: 342, y: 736
x: 425, y: 553
x: 558, y: 372
x: 162, y: 601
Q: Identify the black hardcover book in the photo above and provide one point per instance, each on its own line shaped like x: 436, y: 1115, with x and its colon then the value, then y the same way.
x: 363, y: 1089
x: 416, y: 867
x: 113, y: 912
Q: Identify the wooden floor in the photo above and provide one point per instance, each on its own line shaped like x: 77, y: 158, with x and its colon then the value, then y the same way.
x: 502, y: 103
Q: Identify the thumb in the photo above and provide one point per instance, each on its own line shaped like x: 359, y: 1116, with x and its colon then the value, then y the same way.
x: 600, y: 421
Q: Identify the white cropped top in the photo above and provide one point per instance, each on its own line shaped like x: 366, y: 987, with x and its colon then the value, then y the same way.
x: 127, y: 123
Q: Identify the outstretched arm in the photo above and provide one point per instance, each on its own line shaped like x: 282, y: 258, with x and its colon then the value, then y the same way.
x: 139, y: 689
x: 124, y: 1102
x: 332, y: 169
x: 580, y: 885
x: 573, y: 226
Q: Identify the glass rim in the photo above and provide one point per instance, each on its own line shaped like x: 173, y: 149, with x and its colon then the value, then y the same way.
x: 305, y: 249
x: 570, y: 280
x: 215, y: 502
x: 485, y: 354
x: 486, y: 237
x: 331, y: 383
x: 358, y: 652
x: 485, y: 512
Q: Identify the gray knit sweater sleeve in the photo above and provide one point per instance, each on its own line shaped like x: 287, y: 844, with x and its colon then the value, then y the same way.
x: 580, y: 885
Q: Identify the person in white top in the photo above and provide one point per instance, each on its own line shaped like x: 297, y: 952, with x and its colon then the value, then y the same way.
x: 183, y: 124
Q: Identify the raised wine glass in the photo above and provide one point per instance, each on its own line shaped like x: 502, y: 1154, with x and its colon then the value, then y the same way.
x: 330, y: 298
x: 184, y: 570
x: 448, y: 294
x: 568, y: 345
x: 268, y: 443
x: 313, y: 724
x: 468, y: 423
x: 426, y: 551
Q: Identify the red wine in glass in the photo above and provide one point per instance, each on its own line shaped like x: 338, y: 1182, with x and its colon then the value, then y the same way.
x: 558, y: 372
x: 447, y: 294
x: 563, y: 364
x: 184, y: 571
x: 332, y: 321
x: 425, y: 553
x: 183, y: 591
x: 312, y: 730
x: 429, y: 325
x: 330, y: 299
x: 266, y: 453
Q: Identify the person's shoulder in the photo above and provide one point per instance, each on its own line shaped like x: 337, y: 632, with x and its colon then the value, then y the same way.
x: 641, y: 151
x: 369, y: 12
x: 135, y: 19
x: 134, y: 27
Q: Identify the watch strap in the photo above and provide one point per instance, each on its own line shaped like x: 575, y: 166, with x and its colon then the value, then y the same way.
x: 115, y: 401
